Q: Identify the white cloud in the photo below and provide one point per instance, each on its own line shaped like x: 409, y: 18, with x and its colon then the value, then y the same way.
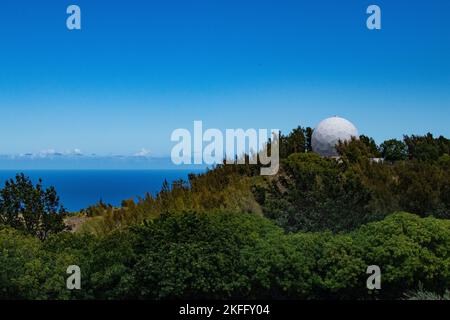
x: 47, y: 153
x: 50, y: 153
x: 75, y: 152
x: 143, y: 153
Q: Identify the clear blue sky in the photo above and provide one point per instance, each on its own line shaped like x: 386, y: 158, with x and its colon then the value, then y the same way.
x: 139, y: 69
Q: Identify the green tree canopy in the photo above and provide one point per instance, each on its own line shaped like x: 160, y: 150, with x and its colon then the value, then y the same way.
x: 394, y: 150
x: 31, y: 208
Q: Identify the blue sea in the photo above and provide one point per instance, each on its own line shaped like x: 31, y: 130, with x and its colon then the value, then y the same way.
x: 79, y: 189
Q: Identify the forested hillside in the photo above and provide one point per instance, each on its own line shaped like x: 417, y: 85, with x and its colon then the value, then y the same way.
x: 307, y: 233
x: 310, y: 193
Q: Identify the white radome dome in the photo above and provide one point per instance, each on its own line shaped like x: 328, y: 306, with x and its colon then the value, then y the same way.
x: 327, y: 134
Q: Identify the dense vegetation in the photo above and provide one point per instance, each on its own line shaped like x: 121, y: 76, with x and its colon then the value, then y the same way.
x: 310, y: 193
x: 307, y: 233
x: 226, y: 255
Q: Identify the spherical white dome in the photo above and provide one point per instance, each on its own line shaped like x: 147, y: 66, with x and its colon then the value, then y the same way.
x: 327, y: 134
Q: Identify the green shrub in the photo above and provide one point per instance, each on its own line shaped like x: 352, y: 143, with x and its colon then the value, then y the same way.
x: 409, y: 250
x: 194, y: 255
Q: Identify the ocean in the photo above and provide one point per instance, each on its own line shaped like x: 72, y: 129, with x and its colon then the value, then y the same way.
x: 79, y: 189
